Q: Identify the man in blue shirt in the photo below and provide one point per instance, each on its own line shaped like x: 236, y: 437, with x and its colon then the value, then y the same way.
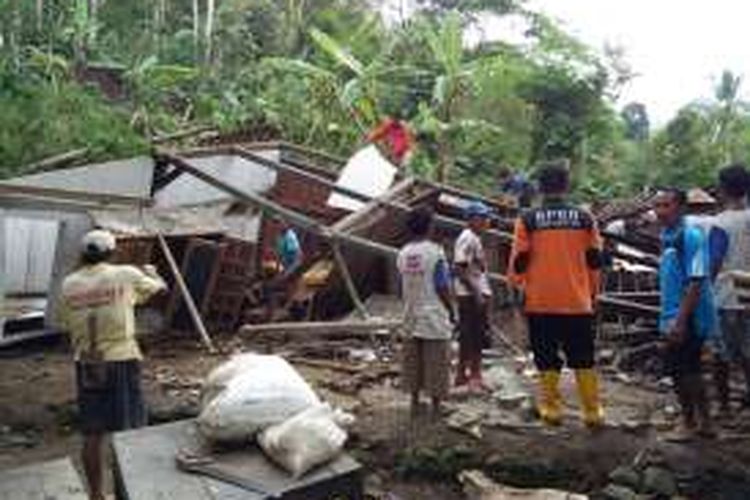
x: 687, y: 308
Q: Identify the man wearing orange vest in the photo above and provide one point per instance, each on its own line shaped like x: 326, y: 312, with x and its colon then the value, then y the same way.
x: 555, y: 259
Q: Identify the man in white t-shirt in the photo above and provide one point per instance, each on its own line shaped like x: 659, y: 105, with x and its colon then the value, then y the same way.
x: 733, y: 340
x: 428, y: 312
x: 473, y: 293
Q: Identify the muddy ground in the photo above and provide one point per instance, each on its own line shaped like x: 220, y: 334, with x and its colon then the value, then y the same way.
x: 405, y: 458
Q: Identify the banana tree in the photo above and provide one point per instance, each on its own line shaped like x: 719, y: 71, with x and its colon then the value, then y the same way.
x: 356, y: 85
x: 452, y: 82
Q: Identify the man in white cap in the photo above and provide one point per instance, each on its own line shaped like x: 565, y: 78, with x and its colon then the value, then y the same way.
x: 97, y: 311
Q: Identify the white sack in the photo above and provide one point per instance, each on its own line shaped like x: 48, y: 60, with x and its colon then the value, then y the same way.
x: 368, y: 173
x: 262, y: 391
x: 220, y: 376
x: 312, y: 437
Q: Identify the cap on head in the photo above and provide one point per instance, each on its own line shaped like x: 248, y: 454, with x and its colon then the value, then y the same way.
x: 476, y: 209
x: 98, y: 241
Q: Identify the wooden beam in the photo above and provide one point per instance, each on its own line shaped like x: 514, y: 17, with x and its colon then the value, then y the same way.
x: 17, y: 190
x: 440, y: 220
x: 622, y: 306
x: 325, y: 328
x: 347, y: 277
x: 302, y: 221
x: 187, y: 297
x: 462, y: 193
x: 47, y: 204
x: 54, y: 162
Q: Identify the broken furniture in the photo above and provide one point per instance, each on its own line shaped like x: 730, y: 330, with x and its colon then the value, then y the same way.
x: 145, y: 469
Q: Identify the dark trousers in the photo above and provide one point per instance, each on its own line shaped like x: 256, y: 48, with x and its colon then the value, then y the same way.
x: 472, y: 328
x: 572, y: 334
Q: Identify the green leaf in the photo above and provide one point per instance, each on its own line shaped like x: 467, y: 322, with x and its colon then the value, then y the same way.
x: 335, y: 50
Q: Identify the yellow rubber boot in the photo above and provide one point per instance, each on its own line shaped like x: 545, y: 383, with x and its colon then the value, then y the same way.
x: 588, y: 392
x: 550, y: 401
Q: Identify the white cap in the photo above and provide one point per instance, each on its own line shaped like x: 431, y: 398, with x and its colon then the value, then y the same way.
x: 98, y: 240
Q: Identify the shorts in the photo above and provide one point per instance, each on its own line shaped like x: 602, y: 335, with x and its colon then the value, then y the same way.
x: 551, y: 333
x: 109, y: 396
x: 472, y: 328
x: 733, y: 340
x: 685, y: 358
x: 426, y: 366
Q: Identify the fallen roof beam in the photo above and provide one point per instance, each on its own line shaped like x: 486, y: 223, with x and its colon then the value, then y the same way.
x: 462, y: 193
x: 296, y: 218
x: 440, y: 220
x: 325, y: 328
x: 11, y: 189
x: 47, y: 204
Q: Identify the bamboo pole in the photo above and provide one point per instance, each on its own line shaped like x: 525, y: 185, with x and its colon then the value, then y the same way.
x: 347, y: 277
x: 189, y: 302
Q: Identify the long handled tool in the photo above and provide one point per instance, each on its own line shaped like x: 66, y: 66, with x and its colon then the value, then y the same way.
x: 205, y: 465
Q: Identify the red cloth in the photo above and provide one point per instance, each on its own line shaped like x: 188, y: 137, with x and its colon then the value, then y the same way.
x: 396, y: 135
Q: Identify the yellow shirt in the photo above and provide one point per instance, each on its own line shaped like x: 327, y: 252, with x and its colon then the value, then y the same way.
x: 97, y: 310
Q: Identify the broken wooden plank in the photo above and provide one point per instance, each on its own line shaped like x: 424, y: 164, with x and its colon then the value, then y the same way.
x: 323, y: 328
x: 18, y: 190
x: 384, y: 201
x: 347, y: 277
x: 328, y: 365
x: 302, y: 221
x: 55, y: 161
x: 187, y: 297
x: 622, y: 306
x: 184, y: 134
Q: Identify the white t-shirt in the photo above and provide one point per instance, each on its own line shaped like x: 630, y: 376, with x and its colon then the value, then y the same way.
x: 424, y: 314
x: 736, y: 224
x: 470, y: 251
x: 97, y: 310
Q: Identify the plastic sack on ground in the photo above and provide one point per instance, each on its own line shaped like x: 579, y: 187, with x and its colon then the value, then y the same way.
x: 254, y: 392
x: 312, y: 437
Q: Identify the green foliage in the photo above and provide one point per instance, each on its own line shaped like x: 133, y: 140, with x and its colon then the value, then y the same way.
x: 323, y: 73
x: 42, y: 120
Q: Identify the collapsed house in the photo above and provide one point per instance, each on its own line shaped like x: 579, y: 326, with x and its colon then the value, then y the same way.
x: 207, y: 218
x: 218, y: 211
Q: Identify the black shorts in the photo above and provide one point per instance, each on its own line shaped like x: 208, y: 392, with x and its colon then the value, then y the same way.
x: 685, y: 358
x: 109, y: 396
x: 551, y: 333
x: 472, y: 328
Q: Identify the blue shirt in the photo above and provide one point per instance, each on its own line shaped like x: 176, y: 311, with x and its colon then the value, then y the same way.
x: 685, y: 258
x: 288, y: 248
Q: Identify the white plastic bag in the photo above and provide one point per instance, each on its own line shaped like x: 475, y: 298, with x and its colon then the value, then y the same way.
x: 260, y: 391
x: 310, y: 438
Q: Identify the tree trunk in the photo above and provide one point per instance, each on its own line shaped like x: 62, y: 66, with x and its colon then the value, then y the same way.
x: 39, y: 14
x: 196, y: 29
x: 93, y: 11
x: 210, y: 11
x: 445, y: 160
